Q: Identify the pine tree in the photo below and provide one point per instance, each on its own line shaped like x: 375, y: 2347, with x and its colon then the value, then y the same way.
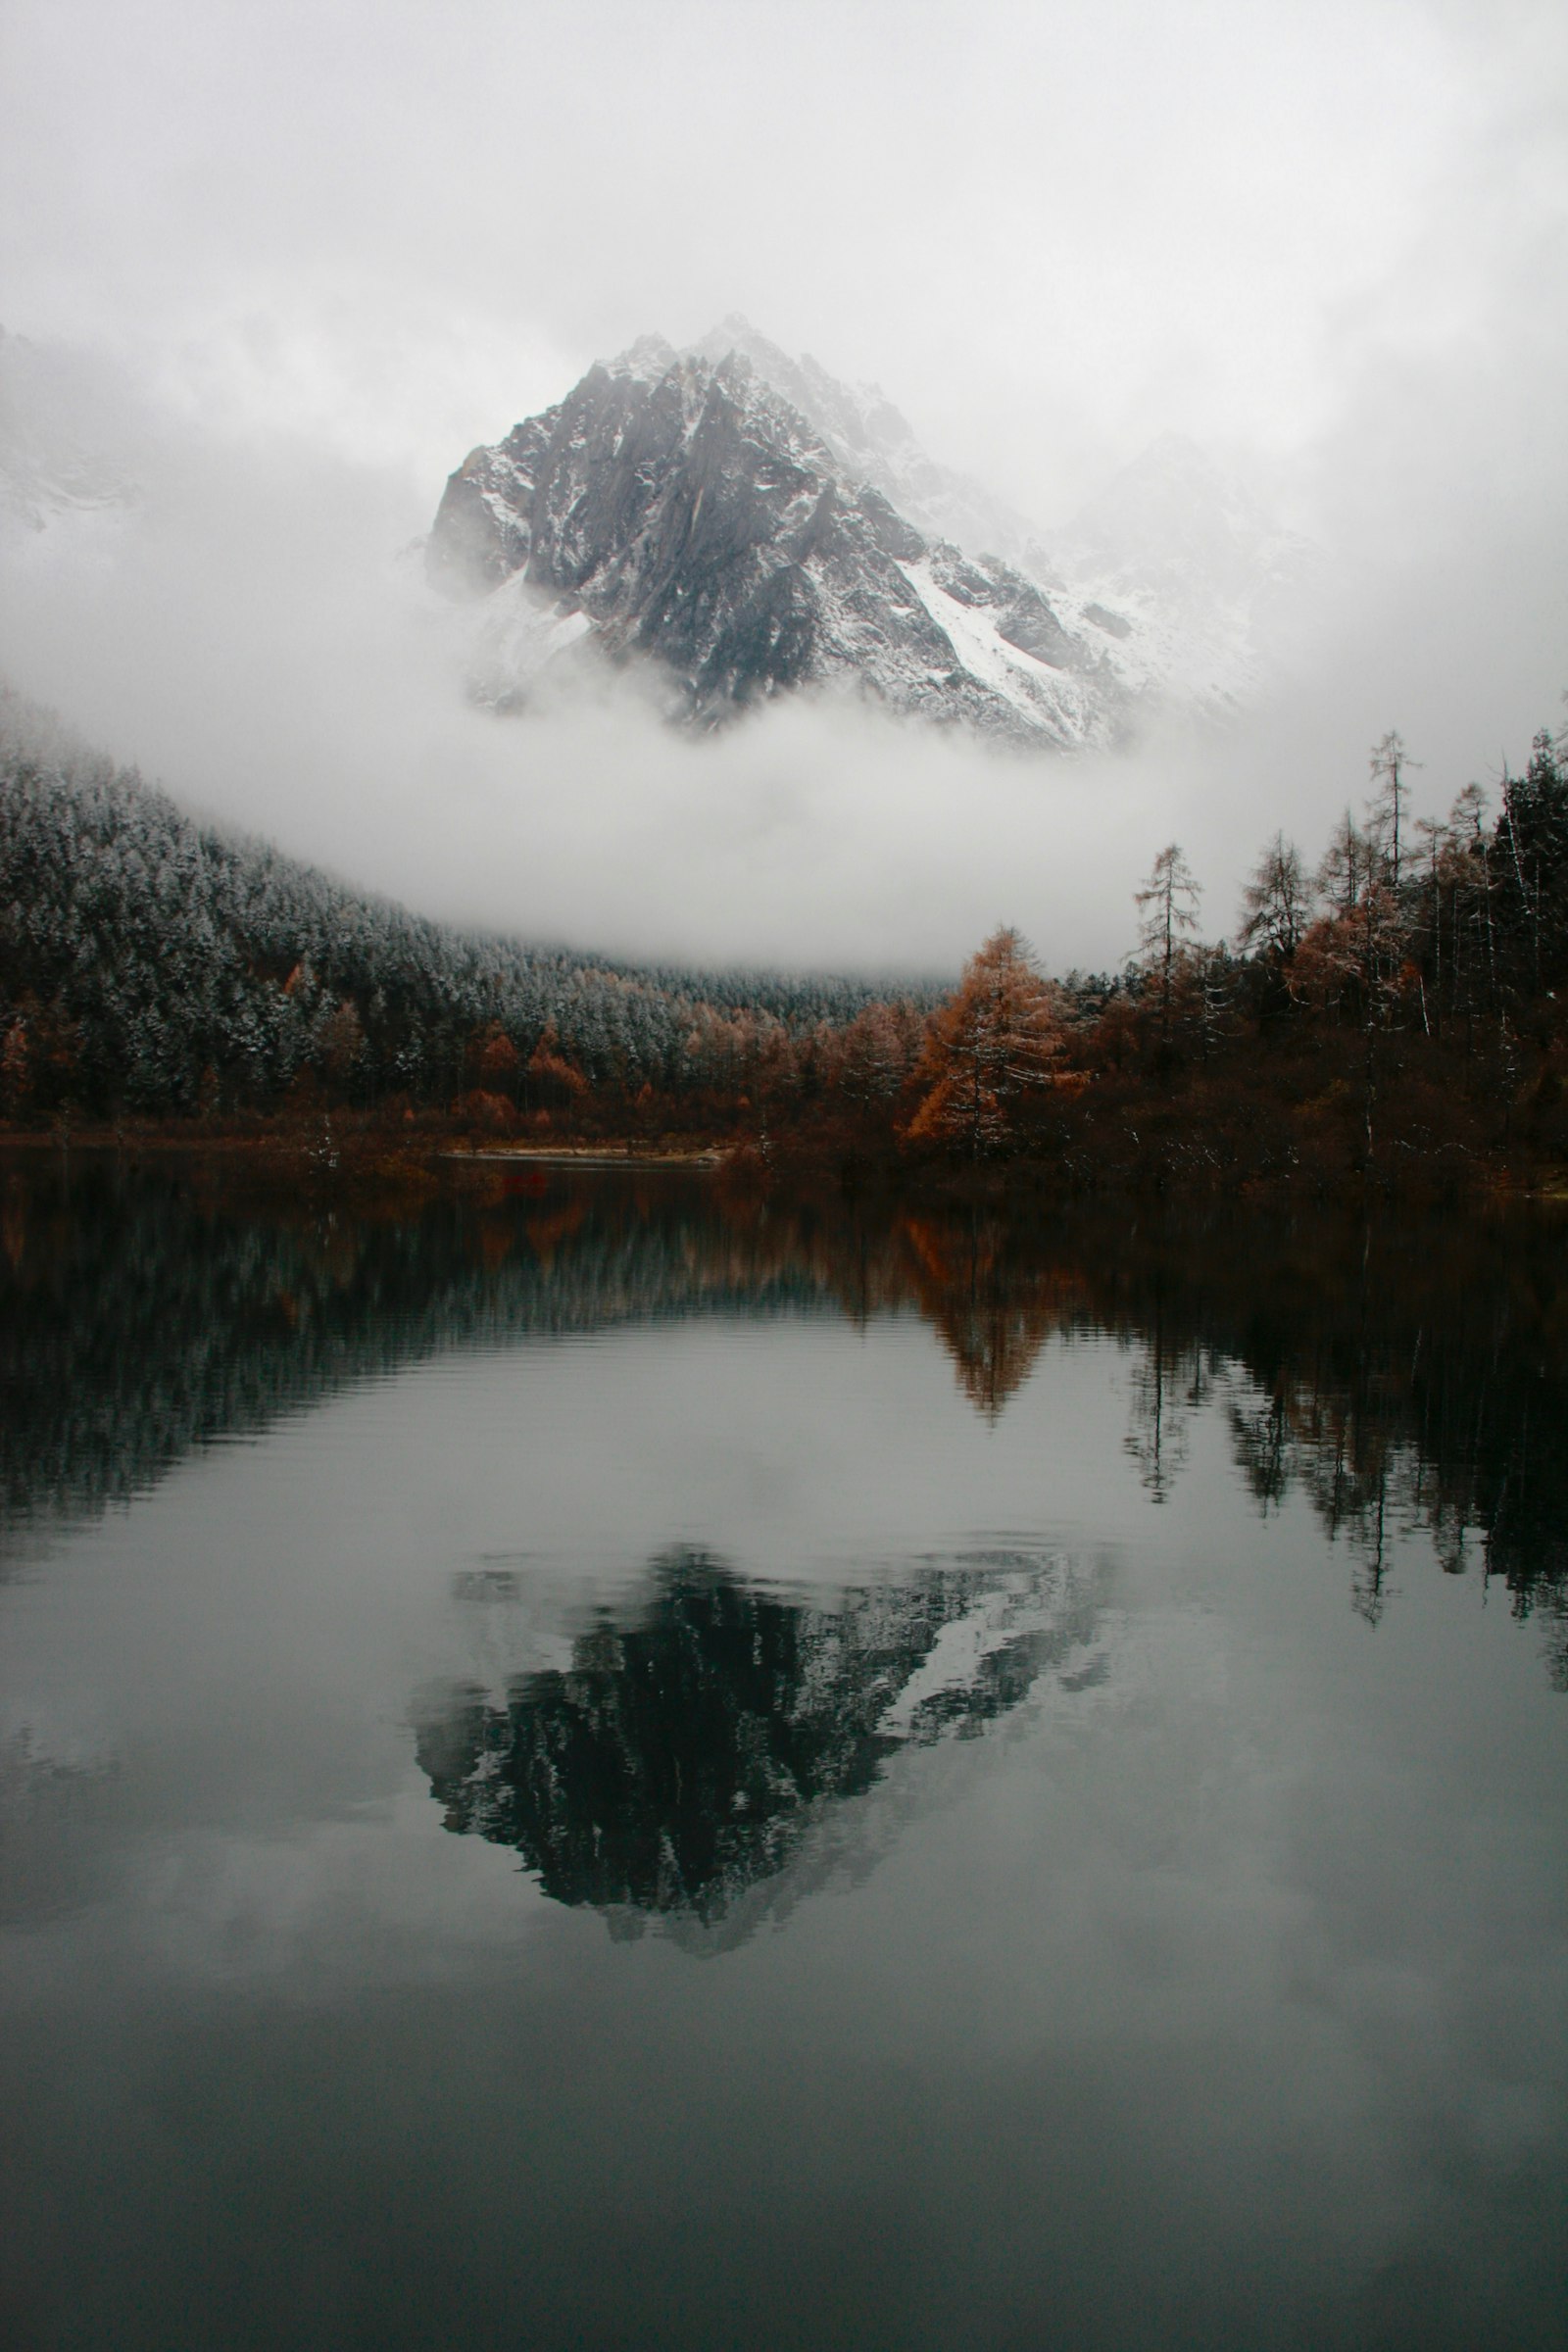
x: 1390, y: 763
x: 1277, y: 903
x: 1169, y: 904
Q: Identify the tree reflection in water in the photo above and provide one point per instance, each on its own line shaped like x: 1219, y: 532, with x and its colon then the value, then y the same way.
x: 1398, y: 1372
x: 695, y: 1744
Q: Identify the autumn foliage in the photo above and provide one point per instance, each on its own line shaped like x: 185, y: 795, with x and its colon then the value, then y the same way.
x: 996, y: 1044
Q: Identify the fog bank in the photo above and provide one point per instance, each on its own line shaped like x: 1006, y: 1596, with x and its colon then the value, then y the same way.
x: 257, y: 633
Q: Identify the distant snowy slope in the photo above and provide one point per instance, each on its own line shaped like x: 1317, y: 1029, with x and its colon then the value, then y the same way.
x: 1181, y: 546
x: 67, y: 436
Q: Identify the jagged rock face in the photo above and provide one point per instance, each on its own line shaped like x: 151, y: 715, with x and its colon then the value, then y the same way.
x: 683, y: 510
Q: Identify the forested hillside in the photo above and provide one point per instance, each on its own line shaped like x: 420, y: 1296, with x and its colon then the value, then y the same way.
x: 153, y: 965
x: 1395, y: 1012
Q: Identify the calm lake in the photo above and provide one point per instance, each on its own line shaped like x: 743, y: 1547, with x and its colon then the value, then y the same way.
x: 603, y: 1766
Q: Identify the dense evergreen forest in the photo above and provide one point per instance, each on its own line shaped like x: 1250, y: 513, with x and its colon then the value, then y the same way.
x: 1394, y: 1013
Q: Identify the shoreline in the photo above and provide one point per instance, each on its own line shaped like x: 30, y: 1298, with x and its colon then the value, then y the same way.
x: 591, y: 1157
x: 387, y: 1162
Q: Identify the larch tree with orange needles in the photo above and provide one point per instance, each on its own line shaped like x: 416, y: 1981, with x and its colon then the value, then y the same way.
x: 998, y: 1039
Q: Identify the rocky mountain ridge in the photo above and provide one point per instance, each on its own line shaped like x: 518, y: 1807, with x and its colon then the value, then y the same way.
x: 754, y: 527
x: 681, y: 508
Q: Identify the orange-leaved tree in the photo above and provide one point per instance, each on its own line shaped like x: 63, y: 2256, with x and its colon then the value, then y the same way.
x: 995, y: 1042
x: 548, y: 1076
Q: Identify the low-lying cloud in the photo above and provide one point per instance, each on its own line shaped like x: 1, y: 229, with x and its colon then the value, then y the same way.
x: 256, y: 632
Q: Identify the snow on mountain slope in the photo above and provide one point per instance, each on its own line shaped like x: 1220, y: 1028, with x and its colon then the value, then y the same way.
x: 1188, y: 587
x: 695, y: 516
x: 873, y: 443
x: 66, y: 439
x: 752, y: 526
x: 1215, y: 586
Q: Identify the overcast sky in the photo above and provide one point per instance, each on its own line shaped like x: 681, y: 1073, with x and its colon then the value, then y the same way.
x: 335, y: 244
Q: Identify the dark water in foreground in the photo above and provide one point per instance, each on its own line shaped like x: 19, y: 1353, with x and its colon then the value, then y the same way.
x: 599, y: 1769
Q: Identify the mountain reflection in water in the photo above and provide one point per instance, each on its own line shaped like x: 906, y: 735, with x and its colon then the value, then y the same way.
x: 695, y: 1744
x: 1108, y: 1645
x: 1398, y: 1372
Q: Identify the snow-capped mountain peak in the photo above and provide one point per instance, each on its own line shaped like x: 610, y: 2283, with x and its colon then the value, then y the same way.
x: 694, y: 517
x: 648, y: 358
x: 753, y: 525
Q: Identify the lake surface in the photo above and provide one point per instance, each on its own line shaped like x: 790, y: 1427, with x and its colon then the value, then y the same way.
x: 604, y: 1766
